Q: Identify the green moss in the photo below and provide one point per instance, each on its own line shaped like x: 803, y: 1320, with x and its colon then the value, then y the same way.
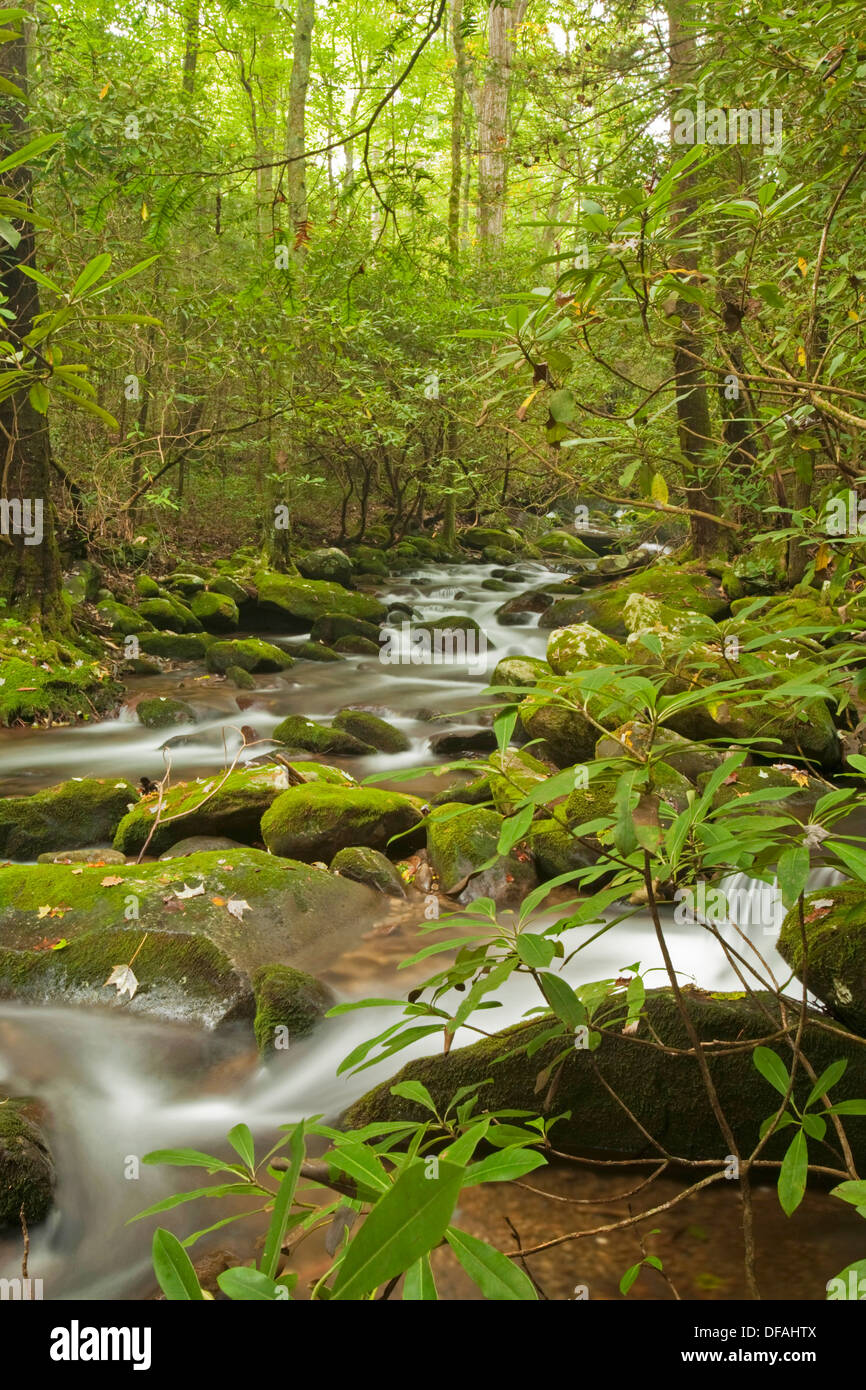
x: 480, y: 537
x: 521, y: 672
x: 474, y: 793
x: 215, y: 612
x: 564, y: 543
x: 555, y: 851
x: 240, y: 678
x: 297, y: 732
x: 680, y: 586
x: 568, y: 734
x: 303, y: 600
x: 370, y: 729
x: 161, y: 712
x: 169, y: 615
x: 43, y: 680
x: 328, y: 564
x: 514, y: 775
x: 356, y: 646
x: 833, y: 964
x: 174, y: 646
x: 804, y: 791
x: 26, y: 1165
x: 315, y: 651
x: 81, y: 582
x: 368, y: 866
x: 582, y: 647
x: 187, y: 583
x: 460, y: 841
x: 71, y: 815
x: 313, y: 822
x: 251, y: 653
x: 231, y: 589
x: 289, y: 1003
x: 216, y: 805
x: 122, y: 619
x: 146, y: 587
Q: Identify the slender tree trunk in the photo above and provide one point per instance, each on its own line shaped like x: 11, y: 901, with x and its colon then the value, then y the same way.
x: 693, y: 408
x: 190, y: 53
x: 30, y: 579
x: 296, y: 138
x: 456, y: 130
x: 491, y: 104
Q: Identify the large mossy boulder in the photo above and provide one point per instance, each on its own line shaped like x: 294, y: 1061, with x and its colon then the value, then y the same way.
x: 832, y: 960
x: 215, y: 612
x: 369, y: 866
x: 84, y: 811
x: 210, y: 921
x: 312, y: 737
x: 661, y: 1091
x: 634, y: 738
x: 288, y: 601
x: 45, y: 679
x: 169, y: 615
x: 370, y: 729
x: 481, y: 537
x: 581, y: 647
x: 329, y: 563
x: 681, y: 586
x: 218, y: 805
x: 289, y: 1004
x: 564, y: 543
x: 231, y: 589
x: 313, y: 822
x: 568, y: 735
x: 556, y: 851
x: 161, y: 712
x: 462, y: 848
x: 250, y: 653
x: 26, y: 1164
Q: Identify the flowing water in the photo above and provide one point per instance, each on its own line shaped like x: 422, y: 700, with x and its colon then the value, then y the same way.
x: 115, y: 1086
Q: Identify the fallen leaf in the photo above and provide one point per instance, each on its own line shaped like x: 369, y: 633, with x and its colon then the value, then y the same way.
x: 237, y: 907
x: 43, y: 912
x: 110, y: 880
x: 123, y: 977
x: 191, y: 892
x: 218, y: 902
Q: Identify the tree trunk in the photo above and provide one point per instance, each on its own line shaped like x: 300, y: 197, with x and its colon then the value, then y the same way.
x: 692, y: 400
x: 30, y: 580
x: 190, y: 53
x: 456, y: 131
x: 296, y: 137
x: 491, y: 104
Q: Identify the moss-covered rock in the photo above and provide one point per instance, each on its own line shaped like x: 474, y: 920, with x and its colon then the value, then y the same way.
x: 230, y: 588
x: 683, y: 586
x: 372, y: 730
x: 71, y: 815
x: 121, y: 618
x: 556, y: 851
x: 568, y: 734
x: 161, y: 712
x: 454, y: 622
x: 804, y: 791
x: 480, y: 537
x: 461, y: 843
x: 289, y: 1004
x: 169, y: 615
x: 81, y: 582
x: 564, y: 543
x: 332, y: 626
x: 250, y: 653
x: 145, y: 586
x: 519, y: 672
x: 313, y: 822
x: 285, y: 598
x: 356, y: 646
x: 210, y: 921
x: 315, y: 651
x: 369, y: 866
x: 832, y: 964
x: 661, y: 1090
x: 297, y: 732
x: 175, y: 646
x: 26, y: 1164
x: 215, y: 612
x: 685, y: 756
x: 240, y: 678
x: 580, y: 647
x: 520, y: 608
x: 186, y: 582
x: 513, y: 775
x: 216, y: 805
x: 474, y: 793
x: 99, y: 854
x: 329, y: 563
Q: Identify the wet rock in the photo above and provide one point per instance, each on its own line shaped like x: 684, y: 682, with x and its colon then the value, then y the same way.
x: 315, y: 651
x: 240, y: 678
x: 83, y: 811
x: 520, y: 607
x: 297, y: 732
x: 289, y: 1004
x: 565, y: 543
x: 514, y: 774
x: 210, y: 921
x: 188, y: 584
x: 568, y: 734
x: 480, y: 537
x: 100, y: 854
x: 161, y: 712
x: 832, y: 961
x: 474, y: 793
x: 460, y: 843
x: 330, y: 564
x: 683, y: 586
x: 331, y: 626
x: 174, y: 646
x: 136, y: 667
x: 455, y: 741
x: 680, y: 753
x: 313, y: 822
x: 250, y: 653
x: 356, y: 646
x: 556, y: 851
x: 646, y: 1078
x: 522, y: 672
x: 198, y: 844
x: 369, y: 866
x: 370, y: 729
x: 582, y: 647
x: 215, y: 612
x: 26, y: 1164
x: 218, y: 805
